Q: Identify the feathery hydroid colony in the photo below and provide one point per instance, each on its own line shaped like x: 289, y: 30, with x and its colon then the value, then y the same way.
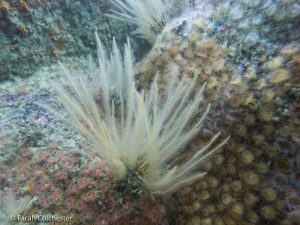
x: 136, y: 132
x: 149, y: 16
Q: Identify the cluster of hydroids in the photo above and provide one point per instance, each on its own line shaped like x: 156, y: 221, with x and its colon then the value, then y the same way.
x: 135, y: 131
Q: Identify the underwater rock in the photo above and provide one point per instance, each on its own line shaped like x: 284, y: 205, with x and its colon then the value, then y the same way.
x: 32, y: 35
x: 245, y: 98
x: 249, y: 58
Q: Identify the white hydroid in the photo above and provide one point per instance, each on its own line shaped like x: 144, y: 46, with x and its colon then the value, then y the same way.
x: 137, y: 131
x: 149, y: 16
